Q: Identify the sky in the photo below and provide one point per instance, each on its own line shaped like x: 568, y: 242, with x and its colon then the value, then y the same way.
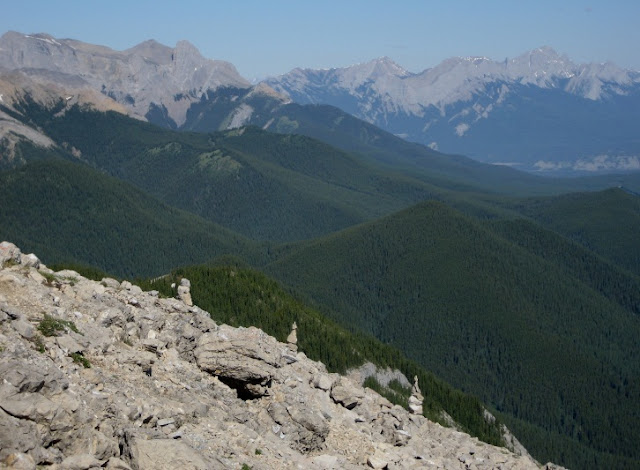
x: 271, y: 37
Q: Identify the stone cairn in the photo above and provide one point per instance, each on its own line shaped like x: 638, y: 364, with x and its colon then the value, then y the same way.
x: 184, y: 292
x: 292, y: 339
x: 416, y: 398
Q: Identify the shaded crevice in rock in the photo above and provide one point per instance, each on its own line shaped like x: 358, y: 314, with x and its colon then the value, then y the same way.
x: 246, y: 390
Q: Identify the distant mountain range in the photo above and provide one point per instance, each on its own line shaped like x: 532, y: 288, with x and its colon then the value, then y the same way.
x: 539, y: 111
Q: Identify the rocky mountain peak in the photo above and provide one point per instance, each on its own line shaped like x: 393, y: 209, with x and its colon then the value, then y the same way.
x: 149, y: 74
x: 153, y: 51
x: 104, y: 375
x: 540, y: 65
x: 187, y: 51
x: 386, y: 66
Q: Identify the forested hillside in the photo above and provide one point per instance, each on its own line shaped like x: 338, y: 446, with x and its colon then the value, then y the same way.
x: 69, y: 212
x: 542, y: 329
x: 607, y: 222
x: 263, y: 185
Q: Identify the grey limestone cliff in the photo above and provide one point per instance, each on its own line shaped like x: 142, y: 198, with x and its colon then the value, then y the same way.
x: 145, y: 76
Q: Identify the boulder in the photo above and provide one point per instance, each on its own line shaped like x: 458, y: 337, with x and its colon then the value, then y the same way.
x: 244, y: 358
x: 166, y: 454
x: 377, y: 462
x: 69, y: 345
x: 110, y: 283
x: 32, y: 378
x: 323, y: 381
x: 24, y: 329
x: 115, y: 463
x: 326, y: 462
x: 18, y: 461
x: 347, y: 393
x: 16, y: 436
x: 30, y: 261
x: 9, y: 254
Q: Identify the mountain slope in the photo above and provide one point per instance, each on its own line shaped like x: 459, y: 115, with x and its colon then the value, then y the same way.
x: 71, y: 213
x: 279, y: 187
x: 264, y: 185
x: 141, y: 381
x: 221, y: 109
x: 606, y: 222
x: 570, y: 116
x: 493, y: 318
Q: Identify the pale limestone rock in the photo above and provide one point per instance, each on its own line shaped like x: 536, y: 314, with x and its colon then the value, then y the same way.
x: 326, y: 462
x: 9, y: 254
x: 247, y: 358
x: 166, y: 454
x: 24, y: 328
x: 17, y: 436
x: 377, y: 462
x: 115, y: 463
x: 30, y: 261
x: 323, y: 381
x: 69, y: 345
x: 19, y: 461
x: 80, y: 462
x: 292, y: 339
x: 110, y: 283
x: 36, y: 276
x: 184, y: 292
x: 347, y: 393
x: 416, y: 398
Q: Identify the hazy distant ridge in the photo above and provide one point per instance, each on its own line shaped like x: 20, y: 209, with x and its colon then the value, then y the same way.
x: 466, y: 104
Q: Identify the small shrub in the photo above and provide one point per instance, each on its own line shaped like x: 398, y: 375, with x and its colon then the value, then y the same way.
x: 50, y: 277
x: 50, y: 326
x: 39, y: 342
x: 258, y: 452
x: 245, y: 467
x: 78, y: 358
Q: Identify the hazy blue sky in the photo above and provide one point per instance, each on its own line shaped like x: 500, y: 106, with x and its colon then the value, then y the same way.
x: 271, y: 37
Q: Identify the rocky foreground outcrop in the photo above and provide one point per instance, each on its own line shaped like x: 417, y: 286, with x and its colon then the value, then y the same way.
x: 104, y: 375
